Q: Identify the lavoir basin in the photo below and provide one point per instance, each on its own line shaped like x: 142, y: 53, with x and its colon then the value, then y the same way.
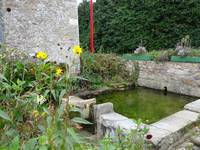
x: 146, y: 104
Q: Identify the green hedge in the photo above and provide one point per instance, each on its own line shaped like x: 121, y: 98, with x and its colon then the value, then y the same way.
x: 121, y: 25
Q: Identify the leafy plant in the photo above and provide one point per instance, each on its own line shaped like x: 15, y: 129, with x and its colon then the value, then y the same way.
x: 55, y: 133
x: 105, y: 69
x: 134, y: 139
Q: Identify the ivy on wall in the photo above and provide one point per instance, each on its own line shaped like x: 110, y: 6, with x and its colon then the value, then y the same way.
x: 120, y: 26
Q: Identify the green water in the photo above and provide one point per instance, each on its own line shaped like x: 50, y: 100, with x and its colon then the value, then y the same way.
x: 146, y: 104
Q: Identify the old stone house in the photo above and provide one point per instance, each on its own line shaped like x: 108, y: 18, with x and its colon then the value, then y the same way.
x: 35, y: 25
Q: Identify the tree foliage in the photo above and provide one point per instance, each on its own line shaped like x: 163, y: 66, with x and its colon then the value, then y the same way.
x: 120, y: 26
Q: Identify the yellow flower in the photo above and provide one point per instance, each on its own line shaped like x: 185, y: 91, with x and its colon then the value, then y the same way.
x: 43, y: 114
x: 59, y: 71
x: 41, y: 55
x: 77, y: 50
x: 35, y: 113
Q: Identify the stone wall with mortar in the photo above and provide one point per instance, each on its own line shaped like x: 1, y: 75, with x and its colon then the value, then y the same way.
x: 182, y: 78
x: 35, y: 25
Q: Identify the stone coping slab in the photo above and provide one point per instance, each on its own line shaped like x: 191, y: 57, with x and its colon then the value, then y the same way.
x: 194, y: 106
x: 166, y: 131
x: 82, y: 103
x: 115, y: 120
x: 158, y: 134
x: 177, y: 121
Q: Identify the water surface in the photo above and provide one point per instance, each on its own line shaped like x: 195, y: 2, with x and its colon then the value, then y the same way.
x: 146, y: 104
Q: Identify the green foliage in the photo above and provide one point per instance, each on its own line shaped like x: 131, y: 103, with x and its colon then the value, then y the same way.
x: 163, y: 55
x: 32, y: 79
x: 105, y: 69
x: 27, y: 86
x: 194, y: 53
x: 120, y: 26
x: 54, y: 133
x: 132, y: 140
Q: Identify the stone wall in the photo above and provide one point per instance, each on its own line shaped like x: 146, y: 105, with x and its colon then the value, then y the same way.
x: 35, y: 25
x: 183, y: 78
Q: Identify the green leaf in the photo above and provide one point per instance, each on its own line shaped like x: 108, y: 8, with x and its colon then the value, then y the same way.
x: 80, y: 120
x: 46, y: 93
x: 75, y: 109
x: 60, y: 110
x: 3, y: 78
x: 43, y: 140
x: 74, y: 136
x: 30, y: 144
x: 54, y: 94
x: 49, y: 120
x: 41, y: 128
x: 4, y: 115
x: 46, y: 111
x: 11, y: 133
x: 62, y: 93
x: 15, y: 145
x: 43, y: 147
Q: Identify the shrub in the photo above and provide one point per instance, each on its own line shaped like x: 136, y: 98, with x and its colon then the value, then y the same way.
x: 163, y: 55
x: 105, y: 69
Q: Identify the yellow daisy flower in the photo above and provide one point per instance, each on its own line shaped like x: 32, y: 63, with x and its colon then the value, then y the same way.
x: 41, y: 55
x: 59, y: 71
x: 77, y: 50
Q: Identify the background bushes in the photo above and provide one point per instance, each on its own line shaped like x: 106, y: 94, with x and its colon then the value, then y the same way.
x: 120, y: 26
x: 105, y: 70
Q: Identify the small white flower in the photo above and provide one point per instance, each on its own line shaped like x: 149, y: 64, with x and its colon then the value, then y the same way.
x: 40, y: 99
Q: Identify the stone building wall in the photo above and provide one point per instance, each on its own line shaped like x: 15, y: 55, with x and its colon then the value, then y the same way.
x: 183, y: 78
x: 35, y: 25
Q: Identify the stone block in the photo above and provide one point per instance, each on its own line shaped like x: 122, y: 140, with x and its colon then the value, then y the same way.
x: 85, y: 105
x: 101, y: 109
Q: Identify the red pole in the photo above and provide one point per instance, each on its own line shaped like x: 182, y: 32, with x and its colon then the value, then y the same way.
x: 91, y: 27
